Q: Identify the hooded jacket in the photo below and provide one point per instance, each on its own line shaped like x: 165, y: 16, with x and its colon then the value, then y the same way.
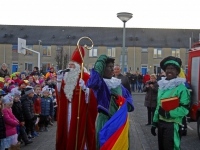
x: 27, y: 107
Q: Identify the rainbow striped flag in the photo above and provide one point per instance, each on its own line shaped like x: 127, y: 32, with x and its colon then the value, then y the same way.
x: 114, y: 134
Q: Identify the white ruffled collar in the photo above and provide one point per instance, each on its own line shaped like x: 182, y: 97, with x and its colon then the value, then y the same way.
x: 170, y: 84
x: 112, y: 83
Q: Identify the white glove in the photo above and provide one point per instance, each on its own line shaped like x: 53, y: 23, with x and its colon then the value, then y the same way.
x: 82, y: 84
x: 59, y: 75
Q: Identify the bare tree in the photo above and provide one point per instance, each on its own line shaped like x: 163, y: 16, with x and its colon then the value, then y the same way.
x: 59, y: 59
x: 65, y: 62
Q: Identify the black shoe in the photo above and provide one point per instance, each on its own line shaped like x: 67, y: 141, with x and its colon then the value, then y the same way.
x: 28, y: 142
x: 147, y: 124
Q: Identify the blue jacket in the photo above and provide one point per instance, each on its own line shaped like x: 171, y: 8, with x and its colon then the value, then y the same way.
x: 46, y: 106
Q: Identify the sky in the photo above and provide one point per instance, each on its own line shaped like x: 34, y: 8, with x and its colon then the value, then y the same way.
x: 181, y: 14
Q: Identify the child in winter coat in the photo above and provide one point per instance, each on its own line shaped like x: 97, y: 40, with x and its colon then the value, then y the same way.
x: 11, y: 123
x: 46, y: 109
x: 2, y: 124
x: 28, y: 111
x: 37, y: 106
x: 17, y: 111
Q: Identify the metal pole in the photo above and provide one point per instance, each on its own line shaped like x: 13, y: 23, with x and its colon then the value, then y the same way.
x: 36, y: 53
x: 4, y: 53
x: 134, y: 58
x: 123, y: 49
x: 39, y: 58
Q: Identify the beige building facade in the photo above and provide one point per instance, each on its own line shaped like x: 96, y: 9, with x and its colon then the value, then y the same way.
x: 136, y: 58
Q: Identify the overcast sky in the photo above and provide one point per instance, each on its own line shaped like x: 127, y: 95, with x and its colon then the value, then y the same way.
x: 182, y: 14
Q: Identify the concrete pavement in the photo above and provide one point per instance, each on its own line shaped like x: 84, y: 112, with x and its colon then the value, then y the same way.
x: 140, y: 135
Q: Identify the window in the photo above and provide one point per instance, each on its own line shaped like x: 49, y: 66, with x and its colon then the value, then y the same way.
x: 46, y: 66
x: 176, y: 52
x: 111, y: 51
x: 29, y: 66
x: 29, y: 53
x: 157, y: 53
x: 59, y: 48
x: 14, y: 48
x: 93, y: 52
x: 46, y: 50
x: 144, y: 49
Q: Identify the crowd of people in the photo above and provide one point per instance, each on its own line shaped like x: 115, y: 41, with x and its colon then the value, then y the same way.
x: 27, y: 106
x: 138, y: 80
x: 91, y: 109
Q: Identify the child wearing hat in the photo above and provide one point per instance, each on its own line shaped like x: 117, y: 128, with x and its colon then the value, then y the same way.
x: 11, y: 123
x: 9, y: 84
x: 23, y: 76
x: 15, y: 78
x: 28, y: 110
x: 22, y: 86
x: 18, y: 113
x: 46, y: 109
x: 31, y: 81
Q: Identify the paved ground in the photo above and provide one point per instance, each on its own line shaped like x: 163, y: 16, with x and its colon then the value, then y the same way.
x: 140, y: 136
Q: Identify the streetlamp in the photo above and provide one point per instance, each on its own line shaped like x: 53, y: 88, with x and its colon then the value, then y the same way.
x: 124, y: 17
x: 40, y: 41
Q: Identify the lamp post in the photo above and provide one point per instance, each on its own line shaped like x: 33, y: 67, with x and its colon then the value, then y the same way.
x: 124, y: 17
x: 40, y: 41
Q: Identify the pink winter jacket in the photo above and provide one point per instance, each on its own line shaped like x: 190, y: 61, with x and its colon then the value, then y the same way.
x: 10, y: 122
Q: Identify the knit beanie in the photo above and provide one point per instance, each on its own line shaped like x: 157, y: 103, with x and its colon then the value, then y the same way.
x: 7, y: 99
x: 15, y: 92
x: 28, y: 90
x: 45, y: 89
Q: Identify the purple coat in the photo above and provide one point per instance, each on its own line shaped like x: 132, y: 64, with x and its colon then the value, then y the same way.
x: 10, y: 122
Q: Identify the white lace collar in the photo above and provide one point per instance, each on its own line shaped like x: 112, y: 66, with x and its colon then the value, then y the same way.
x: 112, y: 83
x: 170, y: 84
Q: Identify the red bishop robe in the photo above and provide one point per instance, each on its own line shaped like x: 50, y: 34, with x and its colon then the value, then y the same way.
x: 87, y: 116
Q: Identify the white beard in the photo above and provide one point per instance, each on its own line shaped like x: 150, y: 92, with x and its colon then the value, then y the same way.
x: 70, y: 79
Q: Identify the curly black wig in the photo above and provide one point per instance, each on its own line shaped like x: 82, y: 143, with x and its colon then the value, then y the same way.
x: 110, y: 60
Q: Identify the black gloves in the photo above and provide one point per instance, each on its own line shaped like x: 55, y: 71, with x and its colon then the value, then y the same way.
x: 153, y: 128
x: 163, y: 113
x: 153, y: 131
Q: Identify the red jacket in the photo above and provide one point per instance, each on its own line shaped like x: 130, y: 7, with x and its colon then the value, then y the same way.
x: 37, y: 105
x: 146, y: 78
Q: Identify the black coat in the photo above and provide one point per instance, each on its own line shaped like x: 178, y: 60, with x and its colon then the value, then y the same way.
x: 2, y: 127
x: 27, y: 107
x: 151, y: 94
x: 139, y: 78
x: 4, y: 73
x: 133, y: 79
x: 124, y: 82
x: 17, y: 111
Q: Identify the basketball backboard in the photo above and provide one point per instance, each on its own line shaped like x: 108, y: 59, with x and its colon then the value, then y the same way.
x: 21, y: 46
